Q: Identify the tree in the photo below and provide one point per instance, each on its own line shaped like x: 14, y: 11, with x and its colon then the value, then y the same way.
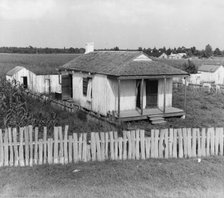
x: 208, y: 51
x: 217, y: 52
x: 190, y: 67
x: 116, y: 48
x: 140, y: 49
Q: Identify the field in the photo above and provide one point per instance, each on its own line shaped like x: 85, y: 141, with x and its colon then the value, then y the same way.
x: 150, y: 178
x: 38, y: 63
x: 178, y: 63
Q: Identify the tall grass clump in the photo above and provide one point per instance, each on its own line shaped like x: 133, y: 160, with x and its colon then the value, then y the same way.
x: 14, y: 108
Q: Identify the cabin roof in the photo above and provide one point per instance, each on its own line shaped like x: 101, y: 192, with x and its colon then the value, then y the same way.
x: 14, y: 70
x: 209, y: 68
x: 120, y: 63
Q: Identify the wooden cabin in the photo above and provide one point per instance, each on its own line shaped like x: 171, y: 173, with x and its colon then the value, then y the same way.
x: 126, y: 84
x: 36, y: 82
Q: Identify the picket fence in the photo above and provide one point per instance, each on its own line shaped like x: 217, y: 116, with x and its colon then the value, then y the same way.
x: 23, y: 147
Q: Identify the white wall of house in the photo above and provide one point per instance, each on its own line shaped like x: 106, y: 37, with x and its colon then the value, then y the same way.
x: 217, y: 76
x: 46, y: 83
x: 105, y: 93
x: 31, y: 78
x: 37, y: 83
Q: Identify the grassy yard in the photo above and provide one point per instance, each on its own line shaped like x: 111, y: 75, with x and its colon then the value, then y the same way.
x: 203, y: 110
x: 149, y: 178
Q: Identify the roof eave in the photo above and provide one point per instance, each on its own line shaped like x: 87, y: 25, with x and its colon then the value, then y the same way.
x: 151, y: 76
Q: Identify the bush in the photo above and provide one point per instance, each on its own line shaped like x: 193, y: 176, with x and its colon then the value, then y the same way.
x: 190, y: 67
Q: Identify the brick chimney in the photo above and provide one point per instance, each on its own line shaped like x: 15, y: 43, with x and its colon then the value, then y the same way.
x: 89, y: 47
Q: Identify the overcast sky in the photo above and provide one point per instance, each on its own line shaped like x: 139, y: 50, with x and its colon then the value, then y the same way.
x: 110, y: 23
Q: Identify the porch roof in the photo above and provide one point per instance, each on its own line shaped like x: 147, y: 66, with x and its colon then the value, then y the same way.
x: 120, y: 63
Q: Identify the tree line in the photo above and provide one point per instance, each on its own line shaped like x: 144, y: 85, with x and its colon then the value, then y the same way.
x: 36, y: 50
x: 156, y: 52
x: 192, y: 51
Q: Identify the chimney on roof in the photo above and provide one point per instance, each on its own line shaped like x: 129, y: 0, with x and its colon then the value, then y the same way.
x: 89, y: 47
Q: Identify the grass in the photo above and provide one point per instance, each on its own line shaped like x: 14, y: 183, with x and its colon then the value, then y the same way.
x: 148, y: 178
x: 38, y: 63
x: 78, y: 122
x: 178, y: 63
x: 203, y: 110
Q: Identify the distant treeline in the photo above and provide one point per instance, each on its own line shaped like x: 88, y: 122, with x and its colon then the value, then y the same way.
x: 156, y: 52
x: 192, y: 51
x: 36, y: 50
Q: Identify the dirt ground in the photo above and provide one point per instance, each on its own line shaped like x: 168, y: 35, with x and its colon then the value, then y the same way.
x: 148, y: 178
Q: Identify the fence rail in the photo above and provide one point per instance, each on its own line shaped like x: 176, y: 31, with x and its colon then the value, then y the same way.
x: 22, y: 147
x: 63, y: 105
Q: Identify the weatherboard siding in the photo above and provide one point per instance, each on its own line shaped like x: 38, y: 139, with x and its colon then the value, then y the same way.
x: 46, y: 83
x: 77, y: 85
x: 217, y: 76
x: 18, y: 76
x: 37, y: 83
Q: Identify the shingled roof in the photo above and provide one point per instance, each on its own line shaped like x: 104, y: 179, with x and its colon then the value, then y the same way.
x: 14, y: 70
x: 209, y: 68
x: 120, y: 63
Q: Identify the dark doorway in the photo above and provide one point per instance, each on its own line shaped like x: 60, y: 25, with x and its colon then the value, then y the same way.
x: 138, y: 94
x: 151, y: 93
x: 67, y: 86
x: 25, y: 82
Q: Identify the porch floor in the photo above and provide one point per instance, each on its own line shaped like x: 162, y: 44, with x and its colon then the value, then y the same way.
x: 135, y: 114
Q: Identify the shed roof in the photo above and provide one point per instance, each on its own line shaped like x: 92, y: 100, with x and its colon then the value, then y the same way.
x: 14, y: 70
x: 209, y: 68
x: 120, y: 63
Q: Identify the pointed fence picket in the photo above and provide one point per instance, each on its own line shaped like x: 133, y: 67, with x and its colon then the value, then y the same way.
x: 18, y: 148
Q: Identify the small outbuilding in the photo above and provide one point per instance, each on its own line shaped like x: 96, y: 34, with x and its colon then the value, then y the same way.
x: 126, y: 84
x: 38, y: 81
x: 211, y: 74
x: 163, y: 56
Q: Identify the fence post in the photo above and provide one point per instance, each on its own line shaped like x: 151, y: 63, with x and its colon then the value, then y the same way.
x: 30, y: 128
x: 15, y: 146
x: 142, y: 139
x: 124, y: 145
x: 1, y: 149
x: 21, y: 156
x: 66, y: 144
x: 10, y: 147
x: 36, y: 145
x: 45, y: 145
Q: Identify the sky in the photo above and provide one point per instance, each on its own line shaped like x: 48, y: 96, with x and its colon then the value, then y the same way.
x: 109, y: 23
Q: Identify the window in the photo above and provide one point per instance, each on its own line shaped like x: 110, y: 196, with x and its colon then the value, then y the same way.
x: 85, y: 86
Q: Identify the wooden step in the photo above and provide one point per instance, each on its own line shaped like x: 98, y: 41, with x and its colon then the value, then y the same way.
x: 159, y: 122
x: 156, y: 118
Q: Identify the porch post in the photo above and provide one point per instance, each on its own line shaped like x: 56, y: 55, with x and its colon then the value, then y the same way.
x: 141, y: 96
x: 185, y: 94
x: 164, y: 96
x: 119, y: 82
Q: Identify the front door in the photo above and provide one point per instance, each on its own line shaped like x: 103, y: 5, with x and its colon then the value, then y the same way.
x: 25, y: 82
x: 67, y: 86
x: 151, y: 93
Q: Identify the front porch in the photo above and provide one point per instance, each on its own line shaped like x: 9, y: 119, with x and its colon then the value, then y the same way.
x: 135, y: 114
